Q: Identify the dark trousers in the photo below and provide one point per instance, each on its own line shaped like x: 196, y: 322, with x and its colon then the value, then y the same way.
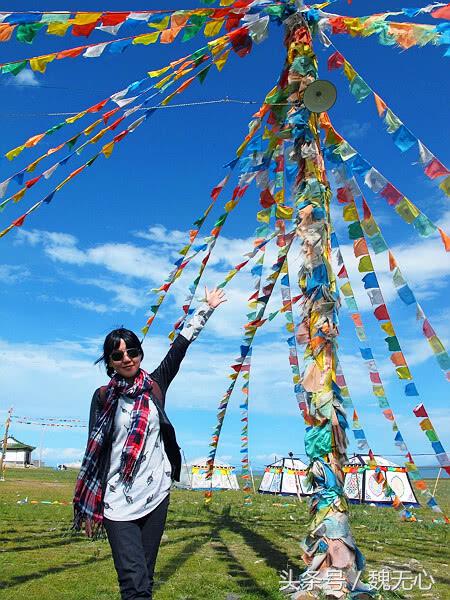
x: 135, y: 546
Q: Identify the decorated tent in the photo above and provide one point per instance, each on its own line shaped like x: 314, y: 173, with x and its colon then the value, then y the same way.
x: 285, y: 477
x: 194, y: 476
x: 364, y: 482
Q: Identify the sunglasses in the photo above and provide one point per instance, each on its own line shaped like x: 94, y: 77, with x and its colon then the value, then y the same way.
x: 118, y: 355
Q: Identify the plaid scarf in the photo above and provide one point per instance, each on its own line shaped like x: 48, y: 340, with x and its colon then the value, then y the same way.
x: 88, y: 498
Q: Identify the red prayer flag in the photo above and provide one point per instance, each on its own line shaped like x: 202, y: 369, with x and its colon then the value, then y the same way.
x: 343, y: 272
x: 85, y: 30
x: 391, y: 194
x: 436, y: 169
x: 335, y: 61
x: 420, y: 411
x: 113, y: 18
x: 381, y: 313
x: 366, y: 210
x: 31, y: 182
x: 375, y: 377
x: 266, y: 199
x: 98, y: 106
x: 441, y: 13
x: 71, y: 52
x: 344, y: 195
x: 19, y: 222
x: 109, y: 114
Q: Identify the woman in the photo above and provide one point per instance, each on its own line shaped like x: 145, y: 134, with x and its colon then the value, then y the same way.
x: 132, y: 454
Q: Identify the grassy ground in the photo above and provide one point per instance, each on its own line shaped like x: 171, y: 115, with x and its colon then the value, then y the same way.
x: 223, y: 552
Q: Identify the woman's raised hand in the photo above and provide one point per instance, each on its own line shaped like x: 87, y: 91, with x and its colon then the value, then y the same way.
x: 214, y: 297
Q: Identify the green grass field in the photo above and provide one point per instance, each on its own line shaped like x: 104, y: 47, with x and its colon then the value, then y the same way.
x: 224, y: 552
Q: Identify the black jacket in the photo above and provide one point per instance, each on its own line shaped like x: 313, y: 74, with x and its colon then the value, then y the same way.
x: 163, y: 377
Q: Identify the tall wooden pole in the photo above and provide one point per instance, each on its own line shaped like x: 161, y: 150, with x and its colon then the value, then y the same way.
x: 5, y: 443
x: 329, y: 549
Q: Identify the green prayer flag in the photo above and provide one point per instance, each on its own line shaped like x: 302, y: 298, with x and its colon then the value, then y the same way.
x: 355, y: 231
x: 55, y: 128
x: 203, y: 73
x: 27, y: 32
x: 15, y: 67
x: 393, y: 344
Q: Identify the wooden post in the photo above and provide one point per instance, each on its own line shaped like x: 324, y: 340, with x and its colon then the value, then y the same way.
x: 5, y: 442
x: 437, y: 481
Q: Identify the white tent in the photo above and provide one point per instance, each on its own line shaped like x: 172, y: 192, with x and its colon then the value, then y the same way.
x: 193, y: 476
x: 286, y: 477
x: 361, y: 484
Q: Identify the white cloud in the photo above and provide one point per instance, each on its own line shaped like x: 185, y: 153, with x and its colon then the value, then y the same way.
x: 353, y: 130
x: 13, y: 273
x: 60, y: 454
x: 27, y: 77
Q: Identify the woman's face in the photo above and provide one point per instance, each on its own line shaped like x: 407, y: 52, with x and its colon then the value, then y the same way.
x: 127, y: 366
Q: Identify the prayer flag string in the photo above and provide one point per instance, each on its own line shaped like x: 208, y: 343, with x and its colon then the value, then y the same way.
x: 238, y: 366
x: 403, y: 138
x: 378, y: 389
x: 373, y: 288
x: 338, y: 151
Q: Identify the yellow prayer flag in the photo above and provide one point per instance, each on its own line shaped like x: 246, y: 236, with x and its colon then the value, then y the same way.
x: 146, y: 39
x: 387, y: 327
x: 349, y: 212
x: 91, y: 128
x: 159, y: 72
x: 346, y: 289
x: 284, y: 212
x: 168, y: 98
x: 263, y: 216
x: 213, y: 27
x: 34, y: 164
x: 279, y: 197
x: 216, y: 46
x: 426, y: 425
x: 76, y: 117
x: 12, y: 154
x: 378, y: 390
x: 230, y: 275
x: 58, y: 28
x: 445, y: 186
x: 163, y: 81
x: 349, y: 71
x: 19, y: 195
x: 163, y: 24
x: 436, y: 344
x: 230, y: 205
x: 242, y: 147
x: 5, y: 231
x: 40, y: 62
x: 85, y: 18
x: 403, y: 373
x: 108, y: 149
x: 62, y: 184
x: 407, y: 210
x: 220, y: 62
x: 98, y: 136
x: 226, y: 2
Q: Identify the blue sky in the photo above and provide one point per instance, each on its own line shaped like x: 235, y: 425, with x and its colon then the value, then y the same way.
x: 86, y: 263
